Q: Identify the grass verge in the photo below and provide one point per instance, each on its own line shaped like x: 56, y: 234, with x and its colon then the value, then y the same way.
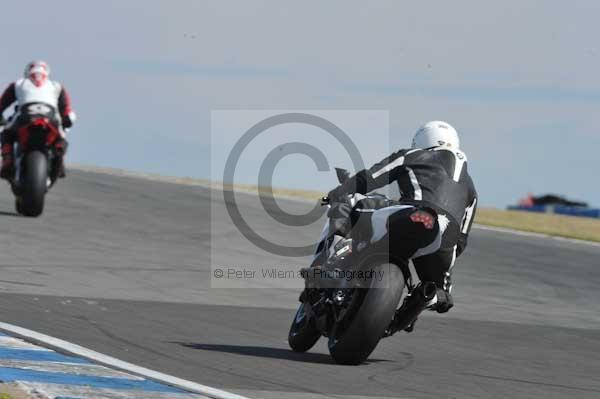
x: 555, y: 225
x: 12, y: 391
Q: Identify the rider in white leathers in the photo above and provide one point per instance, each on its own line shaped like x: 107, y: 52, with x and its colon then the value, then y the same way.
x: 34, y: 87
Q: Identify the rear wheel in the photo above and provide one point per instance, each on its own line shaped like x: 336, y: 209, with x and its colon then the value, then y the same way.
x: 354, y: 337
x: 303, y: 334
x: 33, y: 183
x: 19, y: 205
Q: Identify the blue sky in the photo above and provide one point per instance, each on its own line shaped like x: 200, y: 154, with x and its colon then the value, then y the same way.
x: 518, y: 79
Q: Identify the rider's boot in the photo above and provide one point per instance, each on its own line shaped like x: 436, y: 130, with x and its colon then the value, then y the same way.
x: 61, y: 149
x: 443, y: 301
x: 61, y: 168
x: 8, y: 162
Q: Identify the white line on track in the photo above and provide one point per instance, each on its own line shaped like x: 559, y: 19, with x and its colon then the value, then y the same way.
x: 76, y: 350
x: 537, y: 235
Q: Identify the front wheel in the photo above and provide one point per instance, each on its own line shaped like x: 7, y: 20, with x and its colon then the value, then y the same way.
x: 353, y: 338
x: 303, y: 334
x: 33, y: 183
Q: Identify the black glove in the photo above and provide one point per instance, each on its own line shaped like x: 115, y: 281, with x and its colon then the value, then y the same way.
x: 340, y: 210
x: 445, y: 301
x: 67, y: 122
x: 359, y: 183
x: 339, y: 218
x: 337, y: 194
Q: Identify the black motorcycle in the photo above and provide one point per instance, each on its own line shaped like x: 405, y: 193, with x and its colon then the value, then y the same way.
x: 352, y: 289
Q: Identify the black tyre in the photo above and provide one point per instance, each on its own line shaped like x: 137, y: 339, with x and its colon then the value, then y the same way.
x: 19, y: 206
x: 33, y: 182
x: 353, y: 339
x: 303, y: 334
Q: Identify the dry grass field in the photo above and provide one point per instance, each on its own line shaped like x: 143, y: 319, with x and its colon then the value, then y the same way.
x: 555, y: 225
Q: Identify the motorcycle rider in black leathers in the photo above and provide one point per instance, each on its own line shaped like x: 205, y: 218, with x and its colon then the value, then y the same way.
x: 431, y: 221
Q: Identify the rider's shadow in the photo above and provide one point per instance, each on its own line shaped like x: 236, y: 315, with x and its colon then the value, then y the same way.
x: 268, y: 352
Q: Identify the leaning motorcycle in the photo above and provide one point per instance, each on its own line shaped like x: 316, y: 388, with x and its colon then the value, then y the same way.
x: 36, y: 158
x: 355, y: 313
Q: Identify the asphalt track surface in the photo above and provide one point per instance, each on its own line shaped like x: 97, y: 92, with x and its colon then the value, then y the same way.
x: 123, y: 266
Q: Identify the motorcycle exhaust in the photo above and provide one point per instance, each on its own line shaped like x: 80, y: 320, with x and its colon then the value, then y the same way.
x: 423, y: 296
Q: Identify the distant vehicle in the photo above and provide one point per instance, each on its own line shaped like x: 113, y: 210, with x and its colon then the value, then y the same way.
x: 355, y: 314
x: 552, y: 203
x: 551, y: 199
x: 36, y: 160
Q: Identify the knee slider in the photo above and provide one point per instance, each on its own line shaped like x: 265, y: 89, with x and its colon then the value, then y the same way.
x: 423, y: 217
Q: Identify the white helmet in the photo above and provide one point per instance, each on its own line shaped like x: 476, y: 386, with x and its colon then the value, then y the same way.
x: 37, y: 72
x: 436, y: 134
